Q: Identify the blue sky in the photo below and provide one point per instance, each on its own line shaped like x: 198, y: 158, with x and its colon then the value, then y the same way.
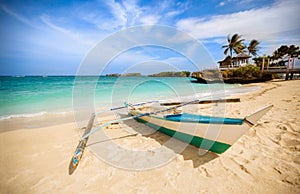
x: 53, y: 37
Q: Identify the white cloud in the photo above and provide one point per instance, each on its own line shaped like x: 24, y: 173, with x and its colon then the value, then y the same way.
x: 222, y: 3
x: 150, y: 19
x: 239, y: 2
x: 119, y: 14
x: 16, y: 16
x: 114, y: 17
x: 217, y: 40
x: 67, y: 32
x: 129, y: 13
x: 265, y: 24
x: 174, y: 13
x: 110, y: 17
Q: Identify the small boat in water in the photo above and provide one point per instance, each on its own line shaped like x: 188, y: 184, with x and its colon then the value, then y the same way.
x: 216, y: 134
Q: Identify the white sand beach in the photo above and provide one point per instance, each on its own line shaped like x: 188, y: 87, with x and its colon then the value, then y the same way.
x: 264, y: 160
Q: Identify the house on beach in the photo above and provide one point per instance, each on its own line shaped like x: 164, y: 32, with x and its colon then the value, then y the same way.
x: 241, y: 59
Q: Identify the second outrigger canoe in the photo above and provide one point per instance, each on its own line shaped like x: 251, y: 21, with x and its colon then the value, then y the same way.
x: 216, y: 134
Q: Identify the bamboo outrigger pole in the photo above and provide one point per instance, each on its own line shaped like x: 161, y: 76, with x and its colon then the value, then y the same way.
x: 125, y: 106
x: 81, y: 146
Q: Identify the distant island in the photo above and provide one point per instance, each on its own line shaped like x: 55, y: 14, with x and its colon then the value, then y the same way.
x: 160, y: 74
x: 132, y: 75
x: 113, y: 75
x: 171, y: 74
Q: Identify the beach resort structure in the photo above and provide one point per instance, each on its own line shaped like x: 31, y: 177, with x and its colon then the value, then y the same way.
x: 241, y: 59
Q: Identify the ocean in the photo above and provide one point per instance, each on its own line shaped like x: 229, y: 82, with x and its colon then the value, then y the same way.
x: 31, y: 96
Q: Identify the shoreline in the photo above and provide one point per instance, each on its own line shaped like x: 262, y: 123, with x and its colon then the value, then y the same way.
x: 266, y: 159
x: 50, y: 118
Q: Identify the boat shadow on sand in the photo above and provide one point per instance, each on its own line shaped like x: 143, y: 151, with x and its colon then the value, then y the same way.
x: 189, y: 152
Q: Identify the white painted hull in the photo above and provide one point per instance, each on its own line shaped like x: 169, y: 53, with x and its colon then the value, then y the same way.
x: 226, y: 134
x: 218, y: 132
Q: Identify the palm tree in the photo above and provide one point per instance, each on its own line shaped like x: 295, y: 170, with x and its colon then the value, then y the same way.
x: 253, y: 47
x: 235, y: 43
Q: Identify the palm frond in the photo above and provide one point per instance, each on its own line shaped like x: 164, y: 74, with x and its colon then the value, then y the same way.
x: 235, y: 43
x: 226, y: 51
x: 253, y: 47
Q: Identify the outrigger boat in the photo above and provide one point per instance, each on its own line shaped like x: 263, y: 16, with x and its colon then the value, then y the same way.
x: 189, y: 128
x: 193, y: 129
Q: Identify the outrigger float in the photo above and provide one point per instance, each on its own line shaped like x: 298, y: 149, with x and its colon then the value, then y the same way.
x: 172, y: 121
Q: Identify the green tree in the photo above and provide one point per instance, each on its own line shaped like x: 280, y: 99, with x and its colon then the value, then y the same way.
x: 259, y: 60
x: 253, y: 47
x: 235, y: 43
x: 289, y: 52
x: 186, y: 73
x: 284, y: 52
x: 294, y: 52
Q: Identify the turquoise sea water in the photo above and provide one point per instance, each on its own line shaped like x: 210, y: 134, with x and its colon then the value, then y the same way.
x: 35, y: 95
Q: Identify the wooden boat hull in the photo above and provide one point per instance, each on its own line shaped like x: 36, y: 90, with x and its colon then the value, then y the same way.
x: 213, y: 137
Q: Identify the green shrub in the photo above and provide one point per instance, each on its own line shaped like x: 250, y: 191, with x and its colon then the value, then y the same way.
x: 248, y: 71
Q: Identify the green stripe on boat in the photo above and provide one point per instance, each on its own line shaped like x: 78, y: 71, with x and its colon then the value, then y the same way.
x: 214, y: 146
